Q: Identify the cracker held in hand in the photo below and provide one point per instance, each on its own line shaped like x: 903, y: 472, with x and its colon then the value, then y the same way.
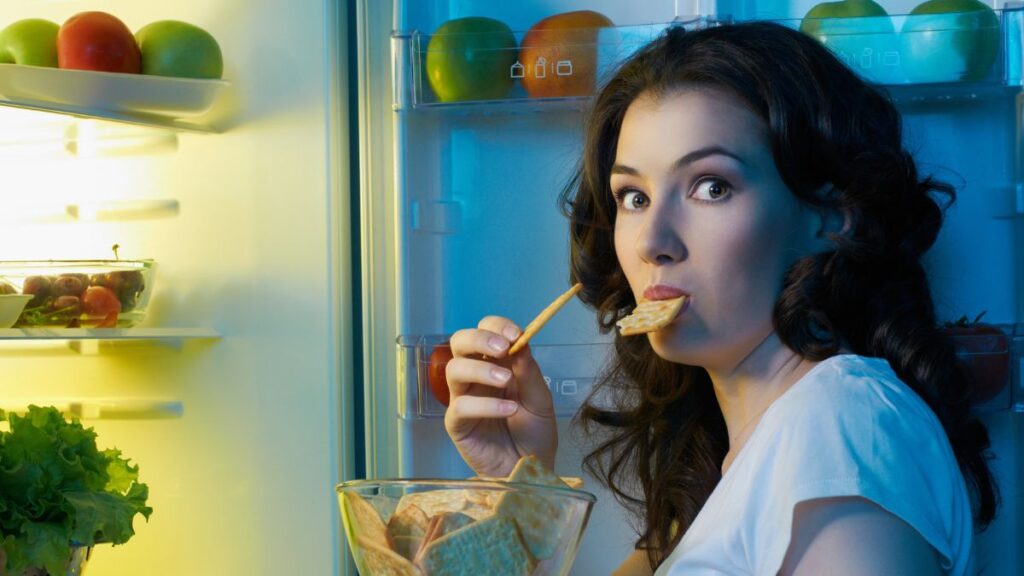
x: 650, y: 316
x: 533, y: 327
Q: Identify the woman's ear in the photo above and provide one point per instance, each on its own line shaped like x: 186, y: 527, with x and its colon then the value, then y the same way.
x: 832, y: 219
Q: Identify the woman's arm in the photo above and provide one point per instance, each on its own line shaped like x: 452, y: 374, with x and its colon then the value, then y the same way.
x: 636, y: 564
x: 854, y: 536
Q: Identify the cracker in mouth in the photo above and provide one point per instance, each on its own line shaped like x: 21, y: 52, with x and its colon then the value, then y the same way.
x: 650, y: 316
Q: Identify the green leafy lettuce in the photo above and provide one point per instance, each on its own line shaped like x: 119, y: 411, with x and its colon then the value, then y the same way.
x: 57, y: 489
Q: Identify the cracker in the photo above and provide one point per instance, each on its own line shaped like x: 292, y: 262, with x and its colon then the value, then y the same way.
x: 362, y: 520
x: 434, y: 502
x: 489, y: 546
x: 541, y: 520
x: 574, y: 482
x: 533, y: 327
x: 381, y: 561
x: 411, y: 521
x: 650, y: 316
x: 529, y: 470
x: 407, y: 546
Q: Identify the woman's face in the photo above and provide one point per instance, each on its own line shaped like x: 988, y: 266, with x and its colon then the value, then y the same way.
x: 703, y: 211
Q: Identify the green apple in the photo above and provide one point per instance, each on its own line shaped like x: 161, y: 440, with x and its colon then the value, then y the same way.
x: 950, y: 40
x: 32, y: 42
x: 861, y: 34
x: 471, y: 59
x: 173, y: 48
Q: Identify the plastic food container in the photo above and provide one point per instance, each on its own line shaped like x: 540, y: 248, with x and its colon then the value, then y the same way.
x: 80, y: 293
x: 11, y: 306
x: 444, y: 527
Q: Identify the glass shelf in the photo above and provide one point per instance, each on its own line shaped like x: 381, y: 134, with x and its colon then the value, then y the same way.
x: 916, y: 58
x: 106, y: 408
x: 88, y: 341
x: 108, y: 333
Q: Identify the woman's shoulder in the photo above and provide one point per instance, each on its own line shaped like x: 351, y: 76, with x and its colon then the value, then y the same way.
x: 856, y: 392
x: 852, y: 428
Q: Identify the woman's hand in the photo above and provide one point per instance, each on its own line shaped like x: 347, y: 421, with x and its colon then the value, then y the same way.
x: 501, y: 408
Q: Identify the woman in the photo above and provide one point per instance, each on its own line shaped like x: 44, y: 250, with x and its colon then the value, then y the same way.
x: 802, y: 414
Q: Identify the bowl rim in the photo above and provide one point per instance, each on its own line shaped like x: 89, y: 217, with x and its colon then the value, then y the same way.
x: 451, y: 484
x: 85, y: 262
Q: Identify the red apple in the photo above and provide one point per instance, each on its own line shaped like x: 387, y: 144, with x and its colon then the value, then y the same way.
x: 559, y: 54
x: 97, y: 41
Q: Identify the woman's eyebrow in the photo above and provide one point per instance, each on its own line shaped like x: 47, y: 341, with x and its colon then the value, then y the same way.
x: 684, y: 160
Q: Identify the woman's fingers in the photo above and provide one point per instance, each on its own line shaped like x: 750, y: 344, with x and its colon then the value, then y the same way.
x: 492, y: 337
x: 500, y: 325
x: 465, y: 413
x: 462, y: 373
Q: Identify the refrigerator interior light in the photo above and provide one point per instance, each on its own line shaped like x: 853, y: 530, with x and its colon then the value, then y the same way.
x: 96, y: 138
x: 120, y: 210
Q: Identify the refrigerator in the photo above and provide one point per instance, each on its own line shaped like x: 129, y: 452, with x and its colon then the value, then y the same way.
x: 459, y: 217
x: 328, y: 221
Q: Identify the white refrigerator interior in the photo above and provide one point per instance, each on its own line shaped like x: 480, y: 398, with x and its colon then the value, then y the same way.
x: 239, y: 433
x: 460, y: 219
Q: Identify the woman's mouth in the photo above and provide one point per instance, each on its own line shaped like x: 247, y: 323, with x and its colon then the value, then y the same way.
x: 662, y: 292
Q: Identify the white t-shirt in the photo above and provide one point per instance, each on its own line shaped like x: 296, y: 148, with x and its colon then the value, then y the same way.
x: 849, y: 427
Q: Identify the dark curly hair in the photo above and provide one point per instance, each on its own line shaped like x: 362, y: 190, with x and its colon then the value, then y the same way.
x: 662, y: 437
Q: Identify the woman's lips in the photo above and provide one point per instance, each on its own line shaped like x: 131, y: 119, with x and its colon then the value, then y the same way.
x: 662, y: 292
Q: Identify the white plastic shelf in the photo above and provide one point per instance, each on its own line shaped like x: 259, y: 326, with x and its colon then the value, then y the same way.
x: 571, y: 370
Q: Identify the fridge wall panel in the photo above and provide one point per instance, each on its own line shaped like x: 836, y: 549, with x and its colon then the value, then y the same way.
x: 243, y: 482
x: 483, y: 228
x: 974, y: 264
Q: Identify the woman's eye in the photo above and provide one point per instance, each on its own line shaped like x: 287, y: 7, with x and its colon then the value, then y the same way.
x: 631, y: 199
x: 711, y: 190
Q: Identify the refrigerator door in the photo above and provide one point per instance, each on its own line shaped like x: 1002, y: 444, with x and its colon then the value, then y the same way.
x: 241, y: 436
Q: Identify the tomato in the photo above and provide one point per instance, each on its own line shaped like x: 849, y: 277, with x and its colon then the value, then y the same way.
x: 986, y: 351
x: 100, y: 301
x: 436, y: 378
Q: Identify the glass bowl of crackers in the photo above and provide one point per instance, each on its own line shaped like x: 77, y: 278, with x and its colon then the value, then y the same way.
x: 529, y: 524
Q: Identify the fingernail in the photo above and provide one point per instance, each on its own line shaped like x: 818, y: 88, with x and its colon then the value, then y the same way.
x: 496, y: 344
x: 507, y: 407
x: 510, y: 332
x: 500, y: 374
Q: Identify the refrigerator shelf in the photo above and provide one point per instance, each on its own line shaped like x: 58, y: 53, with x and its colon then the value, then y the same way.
x: 155, y: 101
x: 88, y: 341
x: 106, y: 408
x: 569, y: 371
x: 918, y: 58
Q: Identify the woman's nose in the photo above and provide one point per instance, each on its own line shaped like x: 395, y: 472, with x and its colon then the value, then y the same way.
x: 659, y: 240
